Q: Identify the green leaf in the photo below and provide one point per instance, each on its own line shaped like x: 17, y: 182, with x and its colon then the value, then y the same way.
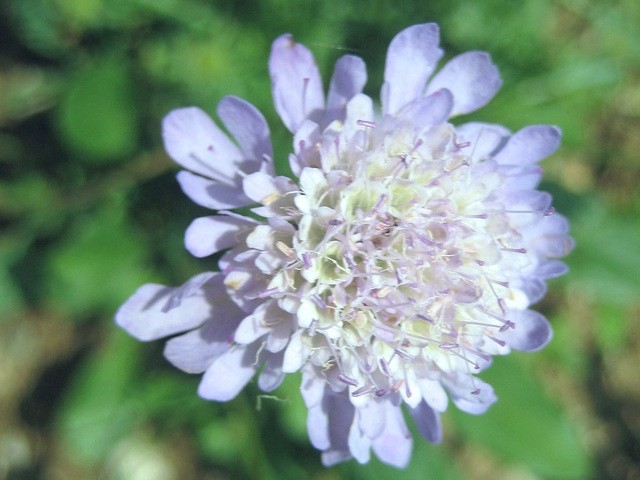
x: 606, y: 260
x: 524, y: 426
x: 95, y: 413
x: 97, y: 118
x: 99, y: 264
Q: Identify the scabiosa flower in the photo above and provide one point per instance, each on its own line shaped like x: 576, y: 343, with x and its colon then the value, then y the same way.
x: 406, y: 254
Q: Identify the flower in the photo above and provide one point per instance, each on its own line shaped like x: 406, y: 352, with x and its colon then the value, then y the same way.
x: 406, y: 254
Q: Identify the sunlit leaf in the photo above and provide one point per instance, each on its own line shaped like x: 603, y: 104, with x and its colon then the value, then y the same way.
x: 524, y: 426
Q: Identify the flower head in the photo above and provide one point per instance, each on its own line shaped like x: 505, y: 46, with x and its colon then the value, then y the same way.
x: 404, y: 256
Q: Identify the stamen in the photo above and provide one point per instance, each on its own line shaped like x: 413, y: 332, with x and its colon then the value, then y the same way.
x: 306, y: 260
x: 503, y: 306
x: 514, y: 250
x: 366, y: 123
x: 363, y: 391
x: 404, y: 355
x: 508, y: 324
x: 347, y: 380
x: 269, y: 292
x: 385, y: 367
x: 318, y: 301
x: 285, y: 249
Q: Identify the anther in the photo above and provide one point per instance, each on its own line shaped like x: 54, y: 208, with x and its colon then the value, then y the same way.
x: 502, y: 305
x: 366, y: 123
x: 362, y: 391
x: 514, y: 250
x: 425, y: 318
x: 268, y: 292
x: 318, y: 301
x: 385, y: 367
x: 508, y: 324
x: 284, y: 248
x: 404, y: 355
x: 348, y: 380
x: 306, y: 260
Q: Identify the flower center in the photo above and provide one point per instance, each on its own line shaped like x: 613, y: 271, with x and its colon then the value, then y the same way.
x: 401, y: 245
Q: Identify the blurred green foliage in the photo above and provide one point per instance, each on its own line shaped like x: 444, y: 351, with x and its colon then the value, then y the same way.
x: 89, y: 210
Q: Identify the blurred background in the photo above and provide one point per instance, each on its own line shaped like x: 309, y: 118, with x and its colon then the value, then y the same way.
x: 90, y: 210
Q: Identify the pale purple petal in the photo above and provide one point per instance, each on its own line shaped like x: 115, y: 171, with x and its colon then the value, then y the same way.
x: 305, y: 148
x: 229, y: 373
x: 551, y: 269
x: 471, y: 77
x: 144, y: 315
x: 359, y: 444
x: 519, y: 177
x: 428, y: 111
x: 394, y: 444
x: 250, y: 129
x: 253, y: 326
x: 280, y: 334
x: 535, y: 289
x: 189, y: 288
x: 266, y: 189
x: 312, y: 387
x: 530, y: 145
x: 349, y: 77
x: 318, y: 427
x: 194, y: 351
x: 411, y: 58
x: 210, y: 194
x: 295, y: 82
x: 340, y: 413
x: 371, y: 416
x: 359, y: 112
x: 484, y: 139
x: 194, y: 141
x: 469, y: 393
x: 272, y: 375
x: 433, y: 394
x: 533, y: 201
x: 531, y: 332
x: 332, y: 457
x: 428, y: 422
x: 208, y: 235
x: 294, y: 355
x: 550, y: 237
